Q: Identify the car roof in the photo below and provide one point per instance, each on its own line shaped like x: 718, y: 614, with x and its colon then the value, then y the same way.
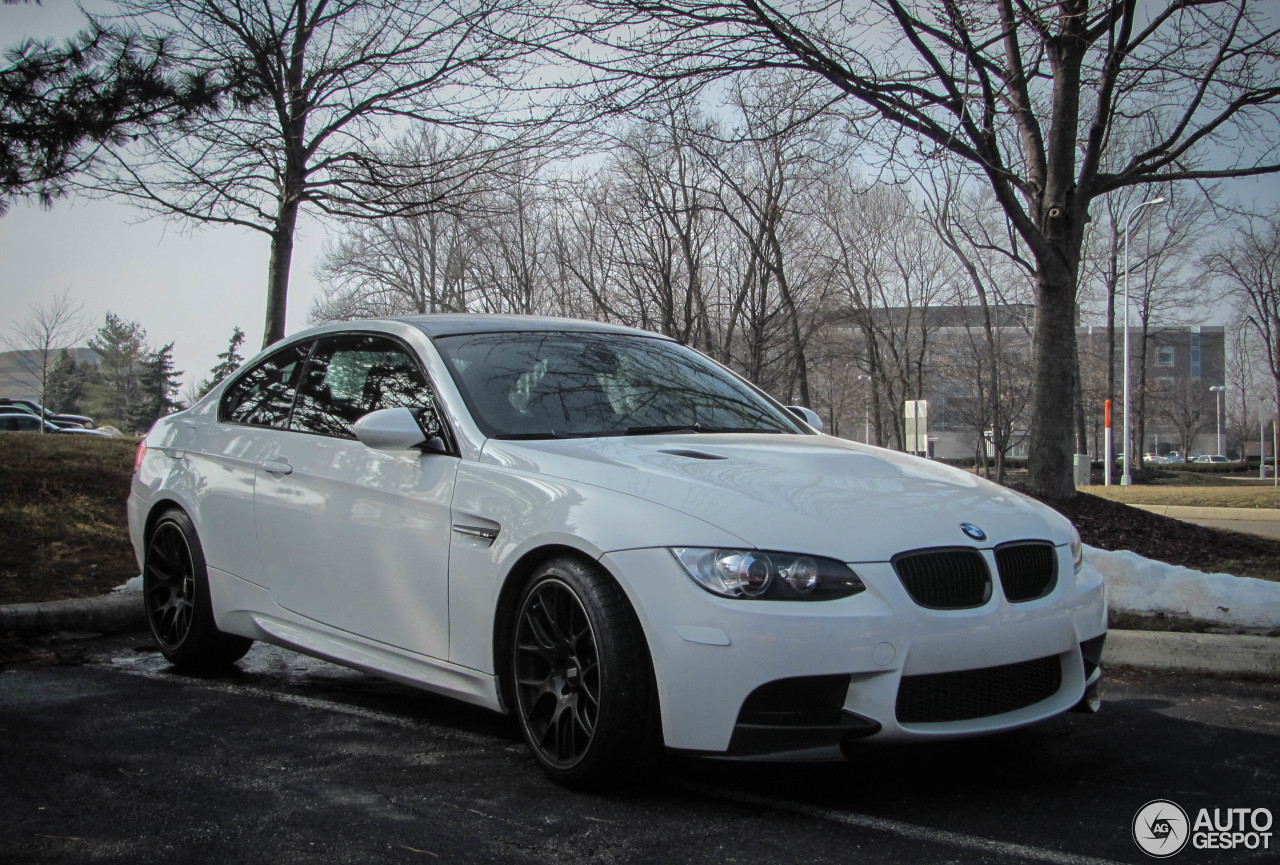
x: 452, y: 324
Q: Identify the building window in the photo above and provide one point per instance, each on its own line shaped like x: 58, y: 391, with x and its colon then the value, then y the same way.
x: 1164, y: 355
x: 1195, y: 354
x: 1165, y: 383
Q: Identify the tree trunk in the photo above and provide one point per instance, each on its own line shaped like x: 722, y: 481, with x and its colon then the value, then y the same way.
x: 1050, y: 463
x: 278, y: 271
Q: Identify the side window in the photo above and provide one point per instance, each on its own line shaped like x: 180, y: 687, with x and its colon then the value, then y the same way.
x: 349, y: 376
x: 264, y: 395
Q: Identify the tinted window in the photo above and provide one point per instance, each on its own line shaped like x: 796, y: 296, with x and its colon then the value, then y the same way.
x: 264, y: 395
x: 351, y: 375
x: 551, y: 385
x: 19, y: 423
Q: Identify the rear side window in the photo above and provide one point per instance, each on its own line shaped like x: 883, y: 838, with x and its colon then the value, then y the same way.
x: 263, y: 396
x: 351, y: 375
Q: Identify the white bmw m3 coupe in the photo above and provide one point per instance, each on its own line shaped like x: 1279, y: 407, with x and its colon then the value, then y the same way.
x: 608, y: 535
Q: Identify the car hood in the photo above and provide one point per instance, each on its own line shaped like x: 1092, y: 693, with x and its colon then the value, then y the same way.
x: 813, y: 494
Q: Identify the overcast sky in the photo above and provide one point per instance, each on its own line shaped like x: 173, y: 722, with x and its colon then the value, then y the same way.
x: 189, y: 286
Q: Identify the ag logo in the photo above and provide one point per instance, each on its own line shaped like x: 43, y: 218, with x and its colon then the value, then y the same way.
x: 1161, y: 829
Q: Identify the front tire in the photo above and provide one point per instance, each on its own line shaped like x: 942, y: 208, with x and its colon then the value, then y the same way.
x: 175, y: 591
x: 581, y: 678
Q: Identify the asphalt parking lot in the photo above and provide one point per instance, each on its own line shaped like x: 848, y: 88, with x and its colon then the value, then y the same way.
x: 108, y: 755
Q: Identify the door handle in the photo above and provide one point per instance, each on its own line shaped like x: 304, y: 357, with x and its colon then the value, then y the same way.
x: 278, y: 466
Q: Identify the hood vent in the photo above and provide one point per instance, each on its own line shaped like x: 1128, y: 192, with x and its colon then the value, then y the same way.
x: 694, y: 455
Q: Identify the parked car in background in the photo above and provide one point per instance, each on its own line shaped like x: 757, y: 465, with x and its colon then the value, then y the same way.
x: 608, y: 535
x: 35, y: 408
x: 100, y: 433
x: 1211, y: 458
x: 21, y: 421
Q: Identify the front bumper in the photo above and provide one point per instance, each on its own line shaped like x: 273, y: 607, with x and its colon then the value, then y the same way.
x: 712, y: 654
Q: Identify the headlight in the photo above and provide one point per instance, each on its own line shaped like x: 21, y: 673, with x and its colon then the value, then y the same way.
x: 1077, y: 550
x: 753, y: 574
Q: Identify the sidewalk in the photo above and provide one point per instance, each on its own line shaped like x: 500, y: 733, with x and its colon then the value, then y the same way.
x: 1264, y: 522
x: 1205, y: 654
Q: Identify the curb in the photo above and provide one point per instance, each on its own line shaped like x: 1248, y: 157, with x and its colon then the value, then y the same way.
x: 1202, y: 654
x: 1165, y: 651
x: 107, y: 614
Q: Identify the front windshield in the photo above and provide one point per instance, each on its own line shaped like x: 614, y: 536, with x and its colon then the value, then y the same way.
x: 537, y: 385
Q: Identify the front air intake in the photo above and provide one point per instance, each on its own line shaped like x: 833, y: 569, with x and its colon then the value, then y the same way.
x: 968, y: 694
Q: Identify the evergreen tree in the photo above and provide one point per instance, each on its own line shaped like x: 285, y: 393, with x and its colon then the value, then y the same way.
x: 59, y: 104
x: 158, y: 382
x: 122, y: 350
x: 228, y: 362
x: 67, y: 387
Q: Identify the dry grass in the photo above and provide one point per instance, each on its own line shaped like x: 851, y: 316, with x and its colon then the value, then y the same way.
x: 63, y: 529
x: 1230, y: 494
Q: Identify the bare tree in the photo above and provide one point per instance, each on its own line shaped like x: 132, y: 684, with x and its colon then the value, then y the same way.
x: 994, y: 275
x: 1183, y: 407
x: 1248, y: 265
x: 57, y: 324
x: 317, y: 85
x: 892, y: 270
x: 1242, y: 387
x: 1164, y: 289
x: 1026, y: 96
x: 414, y: 261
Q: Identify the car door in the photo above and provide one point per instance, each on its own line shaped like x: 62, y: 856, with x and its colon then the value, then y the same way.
x: 352, y: 537
x: 224, y: 458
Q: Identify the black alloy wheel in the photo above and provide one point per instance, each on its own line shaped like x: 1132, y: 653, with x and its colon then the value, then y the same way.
x: 557, y: 674
x: 582, y: 682
x: 175, y: 593
x: 170, y: 585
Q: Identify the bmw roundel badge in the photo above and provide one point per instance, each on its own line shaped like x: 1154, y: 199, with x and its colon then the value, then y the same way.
x: 973, y: 531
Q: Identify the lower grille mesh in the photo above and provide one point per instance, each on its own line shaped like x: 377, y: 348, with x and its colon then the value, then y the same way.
x: 968, y: 694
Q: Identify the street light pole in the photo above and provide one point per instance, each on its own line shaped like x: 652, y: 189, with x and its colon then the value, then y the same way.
x: 1126, y: 479
x: 1218, y: 389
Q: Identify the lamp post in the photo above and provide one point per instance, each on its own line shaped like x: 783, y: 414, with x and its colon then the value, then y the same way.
x: 1126, y: 479
x: 1218, y: 389
x: 866, y: 410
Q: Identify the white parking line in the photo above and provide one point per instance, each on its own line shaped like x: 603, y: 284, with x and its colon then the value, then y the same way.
x: 903, y: 830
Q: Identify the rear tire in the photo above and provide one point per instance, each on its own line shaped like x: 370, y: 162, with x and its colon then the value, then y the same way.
x: 581, y: 678
x: 175, y: 592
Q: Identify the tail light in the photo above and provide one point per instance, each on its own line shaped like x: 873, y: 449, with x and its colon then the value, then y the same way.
x: 137, y: 457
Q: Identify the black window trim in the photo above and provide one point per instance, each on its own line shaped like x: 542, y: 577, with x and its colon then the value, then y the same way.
x: 451, y: 448
x: 223, y: 414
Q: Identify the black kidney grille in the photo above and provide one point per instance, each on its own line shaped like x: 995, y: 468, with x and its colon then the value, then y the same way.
x: 945, y: 579
x: 1027, y: 571
x: 981, y: 693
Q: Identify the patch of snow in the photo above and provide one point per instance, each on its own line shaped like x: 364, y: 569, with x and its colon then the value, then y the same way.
x: 133, y: 585
x: 1139, y: 585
